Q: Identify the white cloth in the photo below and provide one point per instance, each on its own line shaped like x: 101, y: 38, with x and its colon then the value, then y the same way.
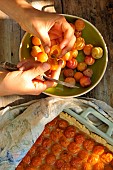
x: 21, y: 125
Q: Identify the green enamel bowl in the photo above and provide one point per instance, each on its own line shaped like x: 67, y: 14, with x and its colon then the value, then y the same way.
x: 91, y: 36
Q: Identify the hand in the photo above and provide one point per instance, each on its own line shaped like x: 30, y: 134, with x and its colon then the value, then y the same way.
x: 26, y: 82
x: 49, y: 27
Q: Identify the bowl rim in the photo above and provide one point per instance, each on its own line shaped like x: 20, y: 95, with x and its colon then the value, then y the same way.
x: 106, y: 54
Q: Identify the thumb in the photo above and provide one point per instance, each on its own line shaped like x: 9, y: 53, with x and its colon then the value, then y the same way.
x: 45, y: 39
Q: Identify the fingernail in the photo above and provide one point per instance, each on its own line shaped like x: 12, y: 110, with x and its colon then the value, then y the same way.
x: 46, y: 66
x: 47, y: 49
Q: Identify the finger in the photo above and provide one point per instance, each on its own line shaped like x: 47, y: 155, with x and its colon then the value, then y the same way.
x: 37, y: 70
x: 56, y: 74
x: 24, y: 62
x: 68, y: 47
x: 45, y: 39
x: 68, y: 34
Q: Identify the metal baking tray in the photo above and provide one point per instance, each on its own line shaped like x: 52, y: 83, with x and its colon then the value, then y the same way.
x: 95, y: 122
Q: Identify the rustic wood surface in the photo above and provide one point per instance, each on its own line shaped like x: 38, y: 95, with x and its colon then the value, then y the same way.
x: 98, y: 12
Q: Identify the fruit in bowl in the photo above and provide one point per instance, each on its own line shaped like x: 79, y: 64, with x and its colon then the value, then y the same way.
x: 87, y: 59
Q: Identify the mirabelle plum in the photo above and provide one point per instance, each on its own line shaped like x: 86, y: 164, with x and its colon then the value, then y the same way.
x: 73, y: 148
x: 89, y: 60
x: 99, y: 166
x: 106, y: 157
x: 36, y: 161
x: 30, y: 167
x: 78, y: 76
x: 56, y: 149
x: 70, y: 131
x: 99, y: 150
x: 79, y: 24
x: 87, y: 166
x: 93, y: 159
x: 26, y: 159
x: 74, y: 53
x: 70, y: 80
x: 97, y: 52
x: 76, y: 162
x: 64, y: 142
x: 59, y: 163
x: 42, y: 57
x: 36, y: 41
x: 50, y: 159
x: 108, y: 167
x: 55, y: 51
x: 87, y: 49
x: 79, y: 139
x: 81, y: 66
x: 63, y: 62
x: 62, y: 124
x: 72, y: 63
x: 67, y: 56
x: 35, y: 50
x: 79, y: 43
x: 83, y: 154
x: 88, y: 72
x: 68, y: 72
x: 53, y: 63
x: 65, y: 155
x: 85, y: 81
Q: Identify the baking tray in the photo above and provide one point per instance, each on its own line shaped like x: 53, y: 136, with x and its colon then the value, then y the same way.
x: 95, y: 122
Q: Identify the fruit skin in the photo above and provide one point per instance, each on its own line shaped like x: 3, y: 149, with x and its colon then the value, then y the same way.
x: 78, y: 75
x: 72, y: 63
x: 87, y: 49
x: 81, y: 66
x: 68, y: 72
x: 79, y: 25
x: 67, y: 56
x: 42, y: 57
x: 85, y: 81
x: 36, y: 41
x: 89, y: 60
x: 74, y: 53
x: 70, y: 80
x: 97, y: 52
x: 88, y: 72
x: 35, y: 50
x: 79, y: 43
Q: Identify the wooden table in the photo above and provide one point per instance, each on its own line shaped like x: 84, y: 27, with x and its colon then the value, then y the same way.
x: 98, y: 12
